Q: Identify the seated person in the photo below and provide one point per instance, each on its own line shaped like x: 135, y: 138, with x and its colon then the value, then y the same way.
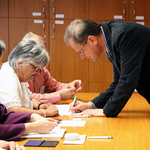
x: 2, y: 49
x: 45, y: 88
x: 24, y: 62
x: 14, y: 125
x: 4, y: 145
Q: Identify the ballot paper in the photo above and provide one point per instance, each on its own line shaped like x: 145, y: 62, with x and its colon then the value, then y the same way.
x: 80, y: 141
x: 56, y: 133
x: 71, y: 123
x: 64, y: 110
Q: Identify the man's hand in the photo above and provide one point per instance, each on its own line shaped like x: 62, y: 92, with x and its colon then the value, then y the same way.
x: 94, y: 112
x: 80, y: 106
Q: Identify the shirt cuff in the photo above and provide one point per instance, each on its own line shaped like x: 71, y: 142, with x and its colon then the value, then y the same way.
x: 93, y: 104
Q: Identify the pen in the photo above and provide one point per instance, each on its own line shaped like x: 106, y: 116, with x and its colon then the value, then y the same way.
x: 83, y: 116
x: 74, y: 101
x: 99, y: 137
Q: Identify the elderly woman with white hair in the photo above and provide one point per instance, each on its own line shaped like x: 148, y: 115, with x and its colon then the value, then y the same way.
x: 24, y: 62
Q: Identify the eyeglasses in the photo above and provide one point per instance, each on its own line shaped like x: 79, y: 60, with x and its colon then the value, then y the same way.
x: 81, y: 53
x: 36, y: 68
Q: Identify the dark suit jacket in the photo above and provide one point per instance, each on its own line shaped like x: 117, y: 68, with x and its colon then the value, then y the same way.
x: 129, y: 44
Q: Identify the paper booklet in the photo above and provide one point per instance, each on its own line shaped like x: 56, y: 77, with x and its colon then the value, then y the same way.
x: 56, y: 133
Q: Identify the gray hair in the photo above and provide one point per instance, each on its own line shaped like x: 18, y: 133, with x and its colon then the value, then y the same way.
x: 29, y: 51
x: 32, y: 35
x: 80, y: 29
x: 2, y: 47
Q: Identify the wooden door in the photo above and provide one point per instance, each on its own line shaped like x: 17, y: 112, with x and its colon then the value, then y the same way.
x: 139, y: 10
x: 4, y: 35
x: 3, y: 8
x: 18, y: 27
x: 69, y: 9
x: 65, y: 64
x: 109, y: 9
x: 29, y: 8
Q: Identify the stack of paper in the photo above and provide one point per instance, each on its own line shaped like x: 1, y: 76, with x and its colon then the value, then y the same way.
x: 54, y: 134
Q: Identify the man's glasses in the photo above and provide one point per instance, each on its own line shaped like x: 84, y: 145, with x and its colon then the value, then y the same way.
x: 36, y: 68
x: 81, y: 53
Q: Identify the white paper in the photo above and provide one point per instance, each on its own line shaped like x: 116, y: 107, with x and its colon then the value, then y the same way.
x: 36, y: 14
x: 54, y: 134
x: 64, y: 110
x: 139, y: 17
x: 59, y: 22
x: 71, y: 123
x: 117, y: 17
x: 80, y: 141
x: 38, y: 21
x: 59, y: 15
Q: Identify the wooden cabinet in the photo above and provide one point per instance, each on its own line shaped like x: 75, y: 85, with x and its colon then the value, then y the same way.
x: 139, y: 10
x: 18, y: 27
x: 109, y: 9
x: 69, y: 9
x: 49, y: 19
x: 3, y: 8
x: 4, y: 25
x: 29, y: 8
x: 4, y: 35
x: 100, y: 74
x: 65, y: 64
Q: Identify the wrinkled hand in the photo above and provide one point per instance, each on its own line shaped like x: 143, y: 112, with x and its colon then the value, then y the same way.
x: 80, y: 106
x: 67, y: 93
x: 50, y: 109
x: 35, y: 117
x: 44, y: 125
x: 11, y: 146
x: 94, y: 112
x: 77, y: 84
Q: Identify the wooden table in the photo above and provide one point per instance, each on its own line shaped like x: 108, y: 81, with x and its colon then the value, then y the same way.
x: 130, y: 130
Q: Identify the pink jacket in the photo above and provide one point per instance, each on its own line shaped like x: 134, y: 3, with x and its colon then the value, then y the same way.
x: 44, y: 88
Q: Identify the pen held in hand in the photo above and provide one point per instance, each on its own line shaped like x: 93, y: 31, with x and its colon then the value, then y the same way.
x: 74, y: 101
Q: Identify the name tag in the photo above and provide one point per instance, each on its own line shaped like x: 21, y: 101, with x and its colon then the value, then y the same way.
x: 42, y: 89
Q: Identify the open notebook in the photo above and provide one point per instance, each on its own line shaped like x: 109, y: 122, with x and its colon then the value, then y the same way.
x: 56, y: 133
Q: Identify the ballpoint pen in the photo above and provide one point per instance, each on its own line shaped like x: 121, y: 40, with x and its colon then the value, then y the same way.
x: 81, y: 116
x: 74, y: 101
x: 99, y: 137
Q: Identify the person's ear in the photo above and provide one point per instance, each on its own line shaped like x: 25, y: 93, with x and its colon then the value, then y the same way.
x: 92, y: 39
x: 20, y: 65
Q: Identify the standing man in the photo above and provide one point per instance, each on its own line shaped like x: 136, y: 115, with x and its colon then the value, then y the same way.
x: 127, y: 46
